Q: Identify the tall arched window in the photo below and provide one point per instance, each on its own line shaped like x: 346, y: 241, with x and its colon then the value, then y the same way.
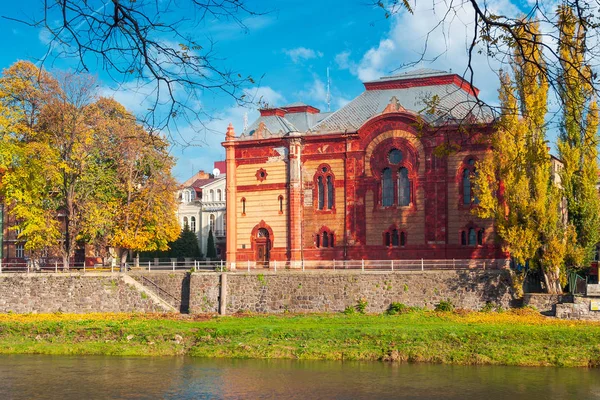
x: 466, y: 186
x: 280, y: 199
x: 403, y: 187
x: 480, y: 237
x: 387, y: 188
x: 463, y: 238
x: 219, y: 195
x: 325, y: 188
x: 185, y: 221
x: 468, y: 172
x: 329, y: 192
x: 321, y: 189
x: 472, y: 237
x: 193, y: 224
x: 212, y: 195
x: 325, y: 239
x: 211, y: 222
x: 402, y: 239
x: 395, y: 238
x: 243, y: 206
x: 388, y: 239
x: 395, y: 185
x: 318, y: 240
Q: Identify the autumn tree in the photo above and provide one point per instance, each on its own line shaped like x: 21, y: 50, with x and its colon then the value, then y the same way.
x: 514, y: 183
x: 47, y: 156
x: 143, y: 203
x: 577, y: 142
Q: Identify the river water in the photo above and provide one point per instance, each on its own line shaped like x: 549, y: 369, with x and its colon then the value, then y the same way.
x: 91, y: 377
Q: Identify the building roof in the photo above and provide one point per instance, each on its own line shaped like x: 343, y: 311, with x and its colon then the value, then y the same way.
x: 439, y: 97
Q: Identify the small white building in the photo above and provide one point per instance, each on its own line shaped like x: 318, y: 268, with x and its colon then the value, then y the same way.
x: 202, y: 207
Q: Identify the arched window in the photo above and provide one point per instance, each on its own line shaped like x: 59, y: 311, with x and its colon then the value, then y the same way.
x: 321, y: 189
x: 324, y: 238
x: 463, y: 238
x: 403, y: 187
x: 212, y: 195
x: 185, y: 221
x: 468, y: 172
x: 280, y: 198
x: 480, y: 237
x: 193, y: 224
x: 394, y: 237
x: 329, y: 192
x: 387, y: 188
x: 243, y: 206
x: 211, y: 222
x: 396, y: 185
x: 325, y: 188
x: 472, y: 237
x: 466, y: 186
x: 219, y: 195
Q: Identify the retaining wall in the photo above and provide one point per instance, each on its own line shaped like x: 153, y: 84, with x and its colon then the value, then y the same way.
x: 293, y: 291
x: 46, y: 293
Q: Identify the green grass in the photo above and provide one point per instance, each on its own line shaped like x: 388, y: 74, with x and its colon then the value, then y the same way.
x: 512, y: 338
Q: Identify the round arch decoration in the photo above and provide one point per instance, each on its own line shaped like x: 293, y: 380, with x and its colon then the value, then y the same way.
x: 255, y: 233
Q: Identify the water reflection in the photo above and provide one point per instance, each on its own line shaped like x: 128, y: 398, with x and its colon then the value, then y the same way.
x: 60, y: 377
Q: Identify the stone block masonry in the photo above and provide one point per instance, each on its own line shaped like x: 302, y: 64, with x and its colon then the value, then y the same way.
x: 334, y: 291
x: 47, y: 293
x: 268, y: 292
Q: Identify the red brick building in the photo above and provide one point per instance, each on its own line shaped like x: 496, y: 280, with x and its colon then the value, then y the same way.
x: 385, y: 177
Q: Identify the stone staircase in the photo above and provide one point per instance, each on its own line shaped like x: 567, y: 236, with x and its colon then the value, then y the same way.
x: 158, y: 300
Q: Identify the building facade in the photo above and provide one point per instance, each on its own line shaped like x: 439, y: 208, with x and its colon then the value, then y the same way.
x: 202, y: 207
x: 388, y: 176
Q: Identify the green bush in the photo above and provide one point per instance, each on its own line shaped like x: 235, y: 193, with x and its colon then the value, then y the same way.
x: 398, y: 308
x: 445, y: 306
x: 489, y: 307
x: 361, y: 305
x: 349, y: 310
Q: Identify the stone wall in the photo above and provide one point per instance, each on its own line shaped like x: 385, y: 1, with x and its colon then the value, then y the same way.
x: 70, y: 293
x: 173, y: 287
x: 204, y: 292
x: 544, y: 302
x: 334, y: 291
x: 580, y: 308
x: 293, y: 291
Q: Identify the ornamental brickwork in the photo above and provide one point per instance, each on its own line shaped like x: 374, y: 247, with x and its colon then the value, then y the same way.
x: 397, y: 186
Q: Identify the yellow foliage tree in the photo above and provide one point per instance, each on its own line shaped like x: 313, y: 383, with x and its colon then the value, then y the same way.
x: 514, y: 183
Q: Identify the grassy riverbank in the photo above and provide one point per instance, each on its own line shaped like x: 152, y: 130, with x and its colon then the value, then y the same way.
x: 518, y: 337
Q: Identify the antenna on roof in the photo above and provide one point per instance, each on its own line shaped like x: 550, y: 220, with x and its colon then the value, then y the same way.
x: 245, y: 121
x: 328, y: 99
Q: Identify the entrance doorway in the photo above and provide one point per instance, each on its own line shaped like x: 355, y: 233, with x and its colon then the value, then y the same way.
x: 262, y: 248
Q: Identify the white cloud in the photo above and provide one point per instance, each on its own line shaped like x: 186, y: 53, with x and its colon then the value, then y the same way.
x: 264, y: 96
x: 302, y: 53
x: 441, y: 38
x: 343, y: 60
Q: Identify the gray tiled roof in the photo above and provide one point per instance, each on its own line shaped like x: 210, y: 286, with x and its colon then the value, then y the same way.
x: 453, y: 104
x: 417, y: 73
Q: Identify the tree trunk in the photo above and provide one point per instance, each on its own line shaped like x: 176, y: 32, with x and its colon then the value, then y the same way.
x: 123, y: 257
x: 65, y: 258
x: 552, y: 280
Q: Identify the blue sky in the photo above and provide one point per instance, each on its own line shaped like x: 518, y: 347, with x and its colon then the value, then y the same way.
x: 287, y: 50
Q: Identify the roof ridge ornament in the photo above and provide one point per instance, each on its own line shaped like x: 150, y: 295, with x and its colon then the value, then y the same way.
x: 260, y: 130
x: 393, y: 106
